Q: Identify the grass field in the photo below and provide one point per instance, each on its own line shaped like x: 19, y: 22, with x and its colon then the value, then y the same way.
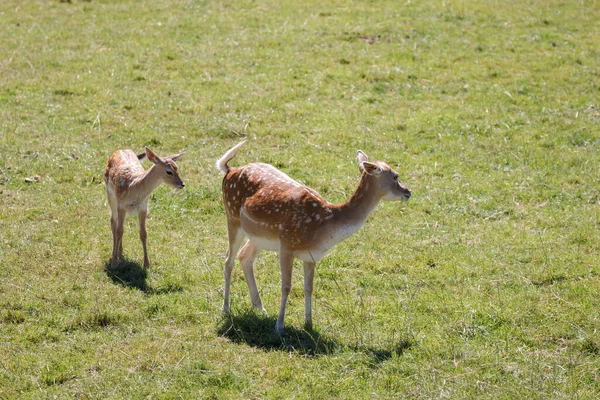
x: 486, y: 284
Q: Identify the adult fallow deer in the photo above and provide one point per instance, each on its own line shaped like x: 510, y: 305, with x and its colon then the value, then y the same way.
x: 128, y: 187
x: 277, y: 213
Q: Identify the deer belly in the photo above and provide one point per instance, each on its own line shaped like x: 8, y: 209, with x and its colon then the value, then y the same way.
x: 263, y: 235
x: 273, y: 244
x: 310, y: 255
x: 264, y: 243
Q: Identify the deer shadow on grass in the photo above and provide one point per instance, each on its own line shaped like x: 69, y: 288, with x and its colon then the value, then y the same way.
x: 131, y: 274
x: 128, y: 273
x: 258, y: 330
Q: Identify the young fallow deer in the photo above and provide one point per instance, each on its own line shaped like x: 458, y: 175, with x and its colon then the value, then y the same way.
x: 277, y: 213
x: 128, y: 187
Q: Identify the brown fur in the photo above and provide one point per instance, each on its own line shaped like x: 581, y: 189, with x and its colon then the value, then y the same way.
x: 277, y: 213
x: 128, y: 187
x: 121, y: 169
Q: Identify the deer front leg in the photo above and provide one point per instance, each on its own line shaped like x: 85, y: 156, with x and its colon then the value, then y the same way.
x: 236, y: 238
x: 309, y: 274
x: 143, y: 235
x: 247, y: 256
x: 286, y: 261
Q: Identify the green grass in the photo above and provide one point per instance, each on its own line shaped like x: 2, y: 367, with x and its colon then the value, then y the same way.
x: 485, y: 284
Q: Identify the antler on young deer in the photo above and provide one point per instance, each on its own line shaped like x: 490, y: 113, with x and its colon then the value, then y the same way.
x: 277, y: 213
x: 128, y: 186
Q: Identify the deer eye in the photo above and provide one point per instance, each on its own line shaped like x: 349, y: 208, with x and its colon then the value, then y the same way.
x: 169, y: 172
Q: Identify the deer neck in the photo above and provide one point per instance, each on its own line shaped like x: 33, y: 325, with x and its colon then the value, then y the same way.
x: 145, y: 184
x: 362, y: 203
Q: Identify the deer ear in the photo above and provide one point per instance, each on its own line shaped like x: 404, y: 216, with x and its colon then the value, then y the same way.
x: 176, y: 156
x: 361, y: 157
x: 370, y: 168
x: 151, y: 156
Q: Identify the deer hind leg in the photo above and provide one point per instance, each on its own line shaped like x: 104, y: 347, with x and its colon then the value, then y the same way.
x: 286, y: 261
x: 247, y: 256
x: 309, y: 274
x: 117, y: 235
x: 114, y: 215
x: 121, y: 243
x: 236, y: 238
x: 113, y: 229
x: 143, y: 235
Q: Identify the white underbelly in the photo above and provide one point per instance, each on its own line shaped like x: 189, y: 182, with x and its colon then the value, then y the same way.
x: 314, y: 254
x: 263, y: 243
